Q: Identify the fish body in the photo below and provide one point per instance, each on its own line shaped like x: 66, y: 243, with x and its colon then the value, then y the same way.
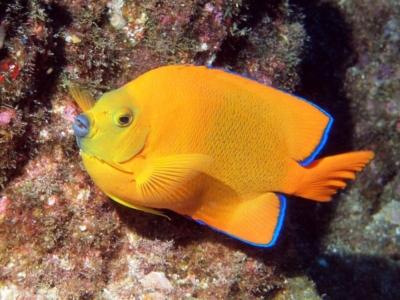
x: 212, y: 145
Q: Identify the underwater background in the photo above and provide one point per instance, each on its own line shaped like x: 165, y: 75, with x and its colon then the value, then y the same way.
x: 62, y: 238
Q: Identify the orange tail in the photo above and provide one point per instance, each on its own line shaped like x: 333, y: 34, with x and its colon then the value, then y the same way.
x: 323, y: 177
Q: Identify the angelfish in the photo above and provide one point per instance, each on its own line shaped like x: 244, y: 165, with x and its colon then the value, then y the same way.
x: 214, y: 146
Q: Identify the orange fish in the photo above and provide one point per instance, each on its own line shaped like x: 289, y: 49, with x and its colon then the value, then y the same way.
x: 208, y: 144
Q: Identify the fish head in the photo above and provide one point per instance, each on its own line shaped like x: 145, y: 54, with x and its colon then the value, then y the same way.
x: 112, y: 130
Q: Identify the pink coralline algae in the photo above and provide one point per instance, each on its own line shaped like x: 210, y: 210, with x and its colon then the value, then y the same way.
x: 156, y: 281
x: 6, y: 115
x: 4, y: 201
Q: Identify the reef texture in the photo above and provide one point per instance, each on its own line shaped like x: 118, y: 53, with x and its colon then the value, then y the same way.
x: 61, y: 238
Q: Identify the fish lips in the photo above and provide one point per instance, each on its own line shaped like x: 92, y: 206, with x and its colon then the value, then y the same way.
x: 83, y: 128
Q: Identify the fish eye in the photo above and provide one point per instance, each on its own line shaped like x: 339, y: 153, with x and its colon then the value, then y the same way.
x: 123, y: 117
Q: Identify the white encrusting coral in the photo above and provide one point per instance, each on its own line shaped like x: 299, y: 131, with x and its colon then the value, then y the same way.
x: 116, y: 18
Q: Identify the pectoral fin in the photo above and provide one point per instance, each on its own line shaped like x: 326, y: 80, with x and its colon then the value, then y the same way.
x: 162, y: 177
x: 81, y: 96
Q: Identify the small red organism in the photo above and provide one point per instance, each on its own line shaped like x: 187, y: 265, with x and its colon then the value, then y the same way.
x: 38, y: 28
x: 4, y: 66
x: 14, y: 69
x: 11, y: 68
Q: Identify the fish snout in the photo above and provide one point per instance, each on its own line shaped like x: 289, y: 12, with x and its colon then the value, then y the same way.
x: 81, y: 126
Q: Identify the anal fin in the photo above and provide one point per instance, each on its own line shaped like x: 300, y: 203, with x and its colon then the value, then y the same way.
x: 256, y: 221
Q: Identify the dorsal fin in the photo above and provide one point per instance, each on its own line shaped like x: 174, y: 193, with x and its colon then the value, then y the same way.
x: 308, y: 135
x: 305, y: 126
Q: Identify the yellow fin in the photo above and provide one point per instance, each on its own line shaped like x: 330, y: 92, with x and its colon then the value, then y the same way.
x: 162, y: 177
x: 81, y: 96
x: 255, y: 221
x: 136, y: 143
x: 139, y: 207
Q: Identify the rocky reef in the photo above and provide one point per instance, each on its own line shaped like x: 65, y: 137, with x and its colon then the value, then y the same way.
x: 62, y: 238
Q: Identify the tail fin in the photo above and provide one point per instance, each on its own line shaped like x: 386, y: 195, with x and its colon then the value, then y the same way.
x: 326, y: 175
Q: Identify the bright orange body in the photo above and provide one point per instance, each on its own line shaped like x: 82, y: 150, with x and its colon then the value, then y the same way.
x: 214, y: 146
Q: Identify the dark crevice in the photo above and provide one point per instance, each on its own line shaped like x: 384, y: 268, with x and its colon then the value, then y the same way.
x: 51, y: 60
x: 43, y: 61
x: 327, y: 54
x: 253, y: 11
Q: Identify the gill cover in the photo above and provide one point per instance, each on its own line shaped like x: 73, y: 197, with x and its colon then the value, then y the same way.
x: 111, y: 136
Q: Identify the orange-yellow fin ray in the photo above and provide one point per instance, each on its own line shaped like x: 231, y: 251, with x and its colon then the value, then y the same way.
x: 82, y: 97
x: 324, y: 177
x: 139, y: 207
x: 256, y: 221
x: 164, y: 176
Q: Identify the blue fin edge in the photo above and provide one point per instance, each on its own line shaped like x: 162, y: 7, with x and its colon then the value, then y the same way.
x: 325, y: 134
x: 324, y: 137
x: 276, y: 232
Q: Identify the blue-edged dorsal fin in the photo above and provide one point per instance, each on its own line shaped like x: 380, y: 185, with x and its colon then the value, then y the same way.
x: 304, y: 125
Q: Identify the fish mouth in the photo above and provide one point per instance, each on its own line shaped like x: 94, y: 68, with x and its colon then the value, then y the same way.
x: 84, y: 128
x: 84, y: 125
x: 81, y: 126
